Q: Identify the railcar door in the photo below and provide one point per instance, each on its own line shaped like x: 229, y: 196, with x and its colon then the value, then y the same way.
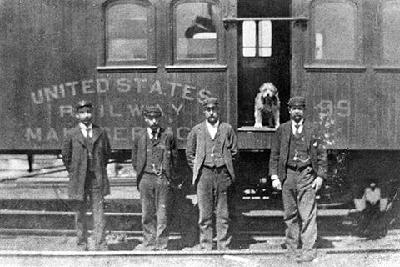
x: 263, y: 53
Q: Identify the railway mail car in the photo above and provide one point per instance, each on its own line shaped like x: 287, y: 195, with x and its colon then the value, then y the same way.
x: 122, y: 54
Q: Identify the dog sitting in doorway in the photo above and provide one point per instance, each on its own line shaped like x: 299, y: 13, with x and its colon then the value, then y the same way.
x: 267, y: 105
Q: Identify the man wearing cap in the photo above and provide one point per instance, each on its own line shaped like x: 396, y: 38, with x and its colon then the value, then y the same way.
x: 211, y: 150
x: 297, y: 166
x: 153, y: 156
x: 85, y: 153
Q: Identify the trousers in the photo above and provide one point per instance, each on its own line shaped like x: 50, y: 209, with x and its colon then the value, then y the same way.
x: 154, y: 197
x: 300, y: 209
x: 212, y: 194
x: 92, y: 196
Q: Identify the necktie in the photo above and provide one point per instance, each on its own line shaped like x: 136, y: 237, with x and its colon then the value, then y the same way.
x: 89, y: 142
x: 154, y: 134
x: 297, y: 131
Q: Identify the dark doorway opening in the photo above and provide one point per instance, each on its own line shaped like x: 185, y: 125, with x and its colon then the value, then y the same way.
x: 261, y: 64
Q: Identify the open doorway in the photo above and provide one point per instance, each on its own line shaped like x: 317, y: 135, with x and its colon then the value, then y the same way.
x: 263, y: 54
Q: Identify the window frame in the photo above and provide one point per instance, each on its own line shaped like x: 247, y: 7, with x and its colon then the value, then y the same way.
x: 151, y: 33
x: 358, y: 36
x: 220, y: 53
x: 257, y: 47
x: 380, y: 53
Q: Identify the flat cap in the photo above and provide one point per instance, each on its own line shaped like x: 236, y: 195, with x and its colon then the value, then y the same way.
x: 209, y: 101
x: 297, y: 101
x: 152, y: 111
x: 83, y: 103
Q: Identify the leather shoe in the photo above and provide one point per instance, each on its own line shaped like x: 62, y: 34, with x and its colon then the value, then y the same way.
x: 145, y: 248
x: 306, y: 257
x: 82, y: 246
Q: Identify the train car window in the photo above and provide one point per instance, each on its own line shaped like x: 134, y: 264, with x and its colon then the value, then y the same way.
x: 249, y: 47
x: 337, y: 43
x: 390, y: 31
x: 257, y: 38
x: 127, y: 32
x: 196, y: 31
x: 265, y: 38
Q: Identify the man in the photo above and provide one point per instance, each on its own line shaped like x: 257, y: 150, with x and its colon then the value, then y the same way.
x: 153, y: 154
x: 211, y: 150
x: 298, y: 165
x: 85, y: 153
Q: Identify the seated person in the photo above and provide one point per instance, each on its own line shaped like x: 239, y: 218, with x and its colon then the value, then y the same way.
x: 372, y: 223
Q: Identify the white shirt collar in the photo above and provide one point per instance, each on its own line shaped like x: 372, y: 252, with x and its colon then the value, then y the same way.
x: 150, y: 132
x: 212, y: 128
x: 300, y: 129
x: 215, y: 125
x: 84, y: 129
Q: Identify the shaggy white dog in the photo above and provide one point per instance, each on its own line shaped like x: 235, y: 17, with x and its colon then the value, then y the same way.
x: 267, y: 103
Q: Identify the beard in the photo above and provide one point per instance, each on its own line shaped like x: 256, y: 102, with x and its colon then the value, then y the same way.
x: 212, y: 119
x: 87, y: 121
x: 297, y: 117
x: 154, y: 126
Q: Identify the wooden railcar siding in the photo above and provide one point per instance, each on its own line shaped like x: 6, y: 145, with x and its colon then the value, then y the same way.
x: 368, y: 89
x: 51, y: 55
x: 43, y: 43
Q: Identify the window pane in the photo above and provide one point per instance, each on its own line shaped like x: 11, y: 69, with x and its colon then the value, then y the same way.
x: 126, y: 32
x: 249, y: 38
x: 391, y: 32
x: 335, y: 43
x: 196, y: 33
x: 265, y: 38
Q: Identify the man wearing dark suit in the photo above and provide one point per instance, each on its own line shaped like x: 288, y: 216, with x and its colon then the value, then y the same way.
x: 210, y: 151
x: 298, y: 165
x: 85, y: 153
x: 153, y: 156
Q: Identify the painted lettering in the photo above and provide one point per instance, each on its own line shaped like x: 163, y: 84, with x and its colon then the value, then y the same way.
x: 66, y: 110
x: 139, y: 84
x: 52, y: 135
x: 134, y: 110
x: 33, y: 134
x: 177, y: 109
x: 86, y: 87
x: 61, y: 90
x: 123, y: 85
x: 72, y: 86
x: 328, y: 108
x: 156, y: 87
x: 37, y: 98
x: 343, y: 107
x: 173, y: 87
x: 120, y: 134
x: 51, y: 93
x: 102, y: 85
x: 186, y: 91
x: 113, y: 113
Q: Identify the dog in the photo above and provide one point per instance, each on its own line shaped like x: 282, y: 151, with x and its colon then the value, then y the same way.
x: 267, y: 103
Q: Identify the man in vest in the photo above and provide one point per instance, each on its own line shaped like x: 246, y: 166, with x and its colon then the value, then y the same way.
x: 85, y: 153
x: 153, y: 155
x: 298, y: 165
x: 210, y: 151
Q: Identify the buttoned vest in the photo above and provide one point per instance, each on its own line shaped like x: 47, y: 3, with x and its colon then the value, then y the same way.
x: 154, y: 155
x: 214, y: 157
x: 298, y: 155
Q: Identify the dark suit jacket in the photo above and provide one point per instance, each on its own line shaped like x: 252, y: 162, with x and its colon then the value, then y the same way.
x: 280, y: 150
x: 139, y: 152
x: 196, y: 147
x: 74, y: 156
